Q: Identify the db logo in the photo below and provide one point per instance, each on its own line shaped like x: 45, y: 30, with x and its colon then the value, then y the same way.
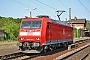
x: 30, y: 33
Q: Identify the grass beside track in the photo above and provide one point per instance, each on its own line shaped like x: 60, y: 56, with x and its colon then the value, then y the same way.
x: 8, y: 45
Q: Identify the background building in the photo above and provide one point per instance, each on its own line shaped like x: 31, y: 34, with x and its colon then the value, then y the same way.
x: 3, y: 34
x: 79, y: 24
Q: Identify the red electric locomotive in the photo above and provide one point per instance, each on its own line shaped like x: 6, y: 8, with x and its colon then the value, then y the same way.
x: 40, y: 34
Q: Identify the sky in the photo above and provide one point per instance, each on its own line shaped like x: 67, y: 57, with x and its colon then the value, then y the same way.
x: 17, y: 8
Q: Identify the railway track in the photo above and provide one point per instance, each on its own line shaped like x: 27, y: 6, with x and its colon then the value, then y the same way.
x: 78, y: 54
x: 18, y: 56
x: 85, y: 57
x: 11, y: 56
x: 22, y: 56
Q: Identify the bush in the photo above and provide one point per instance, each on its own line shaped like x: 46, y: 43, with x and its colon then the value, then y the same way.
x: 76, y: 33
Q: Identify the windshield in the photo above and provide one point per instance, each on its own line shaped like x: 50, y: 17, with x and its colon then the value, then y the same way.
x: 31, y: 24
x: 36, y: 24
x: 26, y: 24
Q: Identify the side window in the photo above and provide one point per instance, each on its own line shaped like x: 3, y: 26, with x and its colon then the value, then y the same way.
x: 48, y: 26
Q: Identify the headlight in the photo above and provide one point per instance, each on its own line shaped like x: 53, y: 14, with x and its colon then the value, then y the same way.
x: 37, y: 38
x: 21, y: 38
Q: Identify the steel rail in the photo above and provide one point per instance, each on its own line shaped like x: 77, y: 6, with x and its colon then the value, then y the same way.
x: 69, y: 54
x: 85, y: 56
x: 11, y: 56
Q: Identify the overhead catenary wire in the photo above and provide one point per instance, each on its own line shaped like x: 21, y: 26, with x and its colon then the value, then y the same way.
x: 83, y: 6
x: 67, y: 7
x: 22, y: 3
x: 39, y: 2
x: 89, y: 1
x: 46, y: 5
x: 41, y: 7
x: 62, y: 3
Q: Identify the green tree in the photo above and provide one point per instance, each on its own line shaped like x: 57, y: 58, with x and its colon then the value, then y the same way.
x: 76, y: 32
x: 2, y: 21
x: 10, y: 26
x: 88, y: 24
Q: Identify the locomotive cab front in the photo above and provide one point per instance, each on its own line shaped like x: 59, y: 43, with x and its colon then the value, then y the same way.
x: 30, y: 34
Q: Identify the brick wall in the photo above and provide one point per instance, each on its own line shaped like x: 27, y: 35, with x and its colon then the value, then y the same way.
x: 81, y: 25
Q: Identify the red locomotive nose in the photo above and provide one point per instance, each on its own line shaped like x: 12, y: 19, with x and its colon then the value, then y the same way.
x: 30, y: 35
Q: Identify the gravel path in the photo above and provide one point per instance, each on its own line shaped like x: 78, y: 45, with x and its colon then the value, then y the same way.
x: 8, y: 47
